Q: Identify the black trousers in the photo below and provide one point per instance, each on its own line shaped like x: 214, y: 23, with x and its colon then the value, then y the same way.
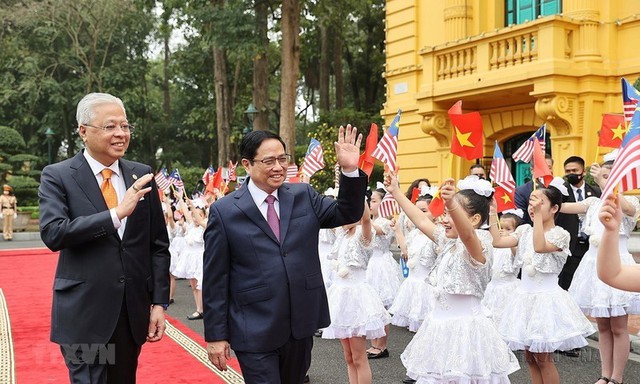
x: 287, y: 365
x: 569, y: 268
x: 113, y: 363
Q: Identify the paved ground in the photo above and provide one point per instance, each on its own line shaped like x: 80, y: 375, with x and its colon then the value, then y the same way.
x: 328, y: 365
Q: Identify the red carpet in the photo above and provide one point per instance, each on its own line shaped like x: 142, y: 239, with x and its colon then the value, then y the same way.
x: 26, y: 279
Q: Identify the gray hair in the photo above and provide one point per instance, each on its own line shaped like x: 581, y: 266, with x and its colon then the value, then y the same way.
x: 85, y: 112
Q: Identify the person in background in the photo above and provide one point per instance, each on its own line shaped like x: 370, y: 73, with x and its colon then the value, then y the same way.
x: 9, y: 211
x: 524, y: 191
x: 478, y: 170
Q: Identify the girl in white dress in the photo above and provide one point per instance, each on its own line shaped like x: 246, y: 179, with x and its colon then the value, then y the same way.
x: 176, y: 229
x: 610, y: 307
x: 457, y: 343
x: 383, y: 272
x: 415, y: 296
x: 504, y: 279
x: 540, y: 317
x: 357, y: 313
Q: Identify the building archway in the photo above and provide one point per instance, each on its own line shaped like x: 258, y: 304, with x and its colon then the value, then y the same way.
x: 520, y: 171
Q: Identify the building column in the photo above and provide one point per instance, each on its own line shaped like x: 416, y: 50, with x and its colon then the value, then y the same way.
x: 587, y: 13
x: 457, y: 19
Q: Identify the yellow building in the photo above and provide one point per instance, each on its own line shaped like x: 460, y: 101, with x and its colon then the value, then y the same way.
x: 520, y: 63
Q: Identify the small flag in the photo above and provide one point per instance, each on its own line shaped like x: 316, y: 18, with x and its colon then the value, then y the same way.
x: 162, y: 180
x: 313, y: 160
x: 292, y: 171
x: 626, y: 168
x: 612, y: 131
x: 467, y: 139
x: 540, y: 166
x: 387, y: 149
x: 525, y: 152
x: 436, y: 206
x: 231, y: 174
x: 415, y: 193
x: 504, y: 199
x: 176, y: 180
x: 207, y: 174
x: 500, y: 173
x: 367, y: 160
x: 630, y: 97
x: 388, y: 206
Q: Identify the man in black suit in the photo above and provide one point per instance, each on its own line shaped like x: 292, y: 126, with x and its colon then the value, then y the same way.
x: 574, y: 169
x: 112, y: 281
x: 263, y: 290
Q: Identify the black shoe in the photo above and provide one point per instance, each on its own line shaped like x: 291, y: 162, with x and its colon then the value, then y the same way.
x: 383, y: 353
x: 408, y: 380
x: 171, y: 301
x: 318, y: 333
x: 306, y: 379
x: 195, y: 316
x: 571, y: 352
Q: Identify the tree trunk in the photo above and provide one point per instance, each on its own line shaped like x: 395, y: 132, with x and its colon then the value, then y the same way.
x: 166, y: 97
x: 337, y: 69
x: 221, y: 87
x: 261, y: 68
x: 325, y: 68
x: 290, y: 70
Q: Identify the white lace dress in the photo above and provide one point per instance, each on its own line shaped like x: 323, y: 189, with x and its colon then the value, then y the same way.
x: 326, y: 239
x: 540, y: 316
x: 595, y: 298
x: 191, y: 259
x: 457, y: 343
x: 383, y: 272
x: 504, y: 281
x: 176, y: 246
x: 354, y: 306
x: 415, y: 296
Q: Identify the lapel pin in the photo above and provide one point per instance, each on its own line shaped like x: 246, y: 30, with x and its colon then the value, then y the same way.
x: 135, y: 177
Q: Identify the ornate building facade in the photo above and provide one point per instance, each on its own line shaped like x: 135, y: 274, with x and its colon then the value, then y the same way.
x: 520, y: 63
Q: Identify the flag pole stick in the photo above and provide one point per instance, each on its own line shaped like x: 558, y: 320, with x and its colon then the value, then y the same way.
x: 597, y: 154
x: 450, y: 164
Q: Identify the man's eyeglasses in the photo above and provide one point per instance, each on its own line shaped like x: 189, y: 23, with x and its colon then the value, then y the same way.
x: 271, y: 161
x: 111, y: 127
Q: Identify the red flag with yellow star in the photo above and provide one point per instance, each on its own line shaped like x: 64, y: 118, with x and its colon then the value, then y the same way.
x: 467, y: 139
x: 504, y: 199
x: 612, y: 130
x: 436, y: 206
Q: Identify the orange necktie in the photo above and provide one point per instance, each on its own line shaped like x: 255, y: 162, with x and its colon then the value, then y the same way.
x: 109, y: 193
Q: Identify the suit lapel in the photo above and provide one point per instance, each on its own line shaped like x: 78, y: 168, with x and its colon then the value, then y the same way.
x: 244, y: 201
x: 286, y: 207
x: 82, y: 174
x: 128, y: 172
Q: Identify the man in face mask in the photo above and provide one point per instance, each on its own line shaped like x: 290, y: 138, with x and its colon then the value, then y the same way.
x: 574, y: 169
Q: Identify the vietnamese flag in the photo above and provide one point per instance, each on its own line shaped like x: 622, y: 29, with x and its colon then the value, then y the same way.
x: 612, y: 131
x: 467, y: 139
x: 504, y: 199
x: 215, y: 182
x: 540, y: 167
x: 367, y: 160
x: 436, y: 206
x: 415, y: 193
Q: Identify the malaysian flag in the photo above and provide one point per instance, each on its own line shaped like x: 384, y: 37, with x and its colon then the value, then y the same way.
x: 387, y: 148
x: 292, y: 172
x: 630, y: 97
x: 207, y: 175
x: 176, y: 180
x: 525, y: 152
x: 231, y: 173
x: 500, y: 173
x: 162, y: 180
x: 388, y: 206
x: 626, y: 168
x: 313, y: 160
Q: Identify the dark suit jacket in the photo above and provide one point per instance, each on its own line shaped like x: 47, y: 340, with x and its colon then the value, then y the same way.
x: 571, y: 223
x: 258, y: 291
x: 96, y: 269
x: 521, y: 198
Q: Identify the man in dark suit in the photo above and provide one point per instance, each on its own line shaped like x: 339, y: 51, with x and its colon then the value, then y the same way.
x: 574, y: 169
x: 523, y: 192
x: 112, y: 281
x: 263, y: 290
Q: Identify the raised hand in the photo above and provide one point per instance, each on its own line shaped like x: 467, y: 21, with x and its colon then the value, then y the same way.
x: 348, y: 148
x: 611, y: 214
x: 391, y: 182
x: 448, y: 190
